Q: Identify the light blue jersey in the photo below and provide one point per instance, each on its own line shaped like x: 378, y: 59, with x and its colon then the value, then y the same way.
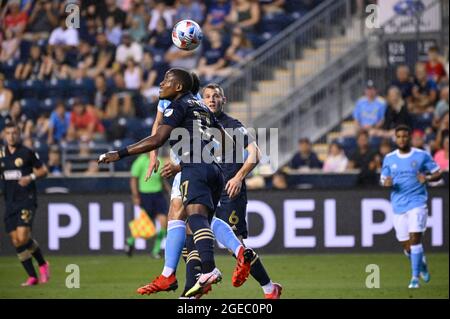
x: 162, y: 106
x: 407, y: 192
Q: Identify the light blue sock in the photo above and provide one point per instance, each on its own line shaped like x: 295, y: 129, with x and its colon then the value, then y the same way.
x: 225, y: 235
x: 176, y: 236
x: 416, y: 259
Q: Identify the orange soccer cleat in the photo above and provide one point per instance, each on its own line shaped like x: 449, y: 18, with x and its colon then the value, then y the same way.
x: 276, y: 292
x: 160, y: 283
x: 243, y: 264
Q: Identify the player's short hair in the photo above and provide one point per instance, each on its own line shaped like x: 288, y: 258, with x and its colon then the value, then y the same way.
x: 195, y: 83
x: 214, y: 86
x: 184, y: 77
x: 403, y: 127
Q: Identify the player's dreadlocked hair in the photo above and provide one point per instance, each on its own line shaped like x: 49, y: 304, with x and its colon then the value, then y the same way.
x: 195, y: 83
x: 184, y: 77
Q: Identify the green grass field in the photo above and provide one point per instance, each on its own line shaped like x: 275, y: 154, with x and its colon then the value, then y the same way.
x: 302, y: 276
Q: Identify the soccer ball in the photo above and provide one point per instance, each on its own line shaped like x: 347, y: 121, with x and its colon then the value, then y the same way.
x: 187, y: 35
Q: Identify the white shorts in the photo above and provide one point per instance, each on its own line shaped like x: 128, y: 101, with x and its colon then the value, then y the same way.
x: 176, y: 193
x: 413, y: 221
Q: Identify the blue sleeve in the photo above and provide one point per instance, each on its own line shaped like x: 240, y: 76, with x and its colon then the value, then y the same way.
x: 52, y: 119
x: 174, y: 115
x: 432, y: 85
x: 429, y: 165
x: 162, y: 105
x: 385, y: 170
x: 381, y: 111
x: 356, y: 112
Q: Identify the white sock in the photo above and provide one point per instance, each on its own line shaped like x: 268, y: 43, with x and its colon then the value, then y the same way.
x: 268, y: 288
x: 167, y: 271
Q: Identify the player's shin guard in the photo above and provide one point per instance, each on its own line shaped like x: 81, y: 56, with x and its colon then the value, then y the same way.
x: 258, y: 271
x: 25, y: 258
x: 34, y: 249
x: 204, y: 241
x: 225, y: 235
x: 193, y: 263
x: 176, y: 235
x: 416, y: 259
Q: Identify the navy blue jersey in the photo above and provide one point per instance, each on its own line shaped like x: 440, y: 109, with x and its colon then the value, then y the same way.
x: 241, y: 139
x: 13, y: 167
x: 193, y: 115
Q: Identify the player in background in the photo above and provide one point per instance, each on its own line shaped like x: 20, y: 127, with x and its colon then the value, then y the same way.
x: 20, y: 167
x: 176, y: 235
x: 150, y: 196
x: 406, y: 171
x: 201, y: 176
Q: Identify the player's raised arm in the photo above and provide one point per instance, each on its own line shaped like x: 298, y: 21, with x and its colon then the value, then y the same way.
x: 145, y: 145
x: 153, y: 155
x: 234, y: 185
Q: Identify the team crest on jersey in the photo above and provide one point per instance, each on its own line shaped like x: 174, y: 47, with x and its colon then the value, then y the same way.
x: 18, y: 162
x: 168, y: 112
x: 414, y: 164
x: 25, y: 215
x: 394, y: 166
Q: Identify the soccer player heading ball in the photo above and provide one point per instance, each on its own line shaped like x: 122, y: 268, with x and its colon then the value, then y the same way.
x: 406, y: 171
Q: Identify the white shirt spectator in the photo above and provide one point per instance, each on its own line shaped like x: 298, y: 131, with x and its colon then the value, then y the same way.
x: 133, y: 51
x: 335, y: 164
x: 132, y: 78
x: 59, y: 36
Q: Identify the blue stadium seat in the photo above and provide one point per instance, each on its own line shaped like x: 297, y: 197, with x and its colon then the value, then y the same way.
x: 56, y: 88
x: 14, y: 86
x: 8, y: 68
x: 421, y: 121
x: 32, y: 88
x: 84, y: 87
x: 30, y: 107
x: 47, y: 105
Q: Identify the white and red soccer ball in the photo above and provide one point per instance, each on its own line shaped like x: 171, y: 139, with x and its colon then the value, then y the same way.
x: 187, y: 35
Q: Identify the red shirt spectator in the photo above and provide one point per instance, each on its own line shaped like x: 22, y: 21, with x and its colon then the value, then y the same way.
x: 15, y: 19
x: 434, y: 67
x: 83, y: 120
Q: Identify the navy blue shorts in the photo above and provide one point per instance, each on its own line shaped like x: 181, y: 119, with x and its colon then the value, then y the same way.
x: 201, y: 184
x: 18, y: 215
x: 154, y: 203
x: 234, y: 212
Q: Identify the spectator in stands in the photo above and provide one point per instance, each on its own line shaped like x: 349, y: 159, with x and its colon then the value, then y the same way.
x: 6, y: 97
x: 161, y: 11
x: 23, y: 122
x: 279, y: 180
x: 84, y: 59
x: 58, y: 124
x: 121, y: 100
x: 244, y: 14
x: 240, y: 47
x: 305, y: 159
x: 442, y: 105
x: 151, y: 78
x: 442, y: 131
x: 212, y: 60
x: 424, y: 91
x: 13, y: 18
x: 300, y: 7
x: 441, y: 156
x: 132, y: 75
x: 396, y: 114
x: 9, y: 47
x: 336, y: 161
x: 112, y: 10
x: 177, y: 58
x: 365, y: 160
x: 43, y: 19
x: 137, y: 20
x: 404, y: 82
x: 384, y: 149
x: 102, y: 96
x: 104, y: 54
x: 189, y: 9
x: 370, y: 109
x: 128, y: 49
x: 418, y: 140
x: 272, y: 6
x: 435, y: 65
x: 41, y: 129
x: 54, y: 164
x: 160, y: 38
x: 64, y: 36
x: 55, y: 66
x: 84, y: 124
x: 216, y: 15
x: 113, y: 31
x: 29, y: 70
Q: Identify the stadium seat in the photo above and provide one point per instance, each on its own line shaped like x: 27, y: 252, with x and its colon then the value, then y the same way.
x: 47, y: 105
x: 30, y: 107
x: 32, y: 88
x: 56, y: 88
x: 421, y: 121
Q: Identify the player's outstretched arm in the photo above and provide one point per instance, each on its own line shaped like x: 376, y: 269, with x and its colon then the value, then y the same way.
x: 154, y: 163
x: 145, y: 145
x: 234, y: 185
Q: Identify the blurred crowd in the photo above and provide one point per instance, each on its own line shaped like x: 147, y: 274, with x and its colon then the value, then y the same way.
x: 78, y: 73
